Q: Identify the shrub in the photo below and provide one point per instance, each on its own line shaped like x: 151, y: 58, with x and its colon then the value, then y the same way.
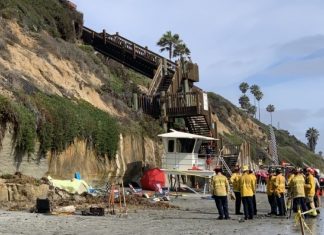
x: 49, y: 15
x: 24, y: 124
x: 60, y: 122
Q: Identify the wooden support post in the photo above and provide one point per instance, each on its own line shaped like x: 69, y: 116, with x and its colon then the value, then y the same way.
x: 146, y: 48
x: 135, y: 101
x: 165, y: 67
x: 134, y: 50
x: 301, y: 224
x: 199, y: 104
x: 163, y: 112
x: 104, y: 36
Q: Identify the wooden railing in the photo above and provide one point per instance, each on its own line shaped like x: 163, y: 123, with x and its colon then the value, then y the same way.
x: 231, y: 149
x: 149, y: 105
x: 156, y: 80
x: 131, y: 47
x: 183, y: 104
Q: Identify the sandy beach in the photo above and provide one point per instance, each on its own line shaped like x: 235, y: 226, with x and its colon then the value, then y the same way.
x: 194, y: 216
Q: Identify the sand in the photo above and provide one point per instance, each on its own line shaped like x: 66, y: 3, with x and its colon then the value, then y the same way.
x: 195, y: 216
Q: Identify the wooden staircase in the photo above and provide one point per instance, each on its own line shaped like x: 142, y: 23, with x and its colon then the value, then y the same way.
x: 171, y: 94
x: 231, y: 161
x: 197, y: 125
x: 125, y: 51
x: 161, y: 80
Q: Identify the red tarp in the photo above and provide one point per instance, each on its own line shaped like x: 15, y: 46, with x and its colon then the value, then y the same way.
x: 151, y: 178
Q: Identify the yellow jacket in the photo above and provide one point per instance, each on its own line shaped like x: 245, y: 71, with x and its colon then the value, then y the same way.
x: 270, y: 184
x: 254, y: 180
x: 291, y: 176
x: 310, y: 186
x: 297, y: 185
x: 220, y: 185
x: 235, y: 181
x: 280, y: 184
x: 247, y: 185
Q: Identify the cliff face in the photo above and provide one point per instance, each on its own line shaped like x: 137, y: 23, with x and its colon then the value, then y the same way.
x: 36, y: 60
x: 134, y: 153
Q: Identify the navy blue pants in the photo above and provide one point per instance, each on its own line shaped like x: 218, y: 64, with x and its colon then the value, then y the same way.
x: 222, y: 206
x: 300, y: 202
x: 254, y: 205
x: 248, y: 207
x: 281, y: 204
x: 273, y: 204
x: 238, y: 201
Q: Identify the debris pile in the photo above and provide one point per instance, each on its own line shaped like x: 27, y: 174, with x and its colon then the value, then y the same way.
x: 24, y: 191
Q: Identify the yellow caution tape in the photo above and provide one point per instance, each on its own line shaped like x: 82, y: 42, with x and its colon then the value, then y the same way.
x: 299, y: 217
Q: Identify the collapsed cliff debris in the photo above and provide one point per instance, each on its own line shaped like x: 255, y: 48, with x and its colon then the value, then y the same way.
x: 19, y: 192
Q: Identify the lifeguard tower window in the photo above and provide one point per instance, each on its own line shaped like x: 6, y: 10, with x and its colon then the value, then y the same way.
x: 171, y: 146
x: 185, y: 145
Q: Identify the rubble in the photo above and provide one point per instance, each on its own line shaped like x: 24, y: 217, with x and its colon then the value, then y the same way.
x: 23, y: 192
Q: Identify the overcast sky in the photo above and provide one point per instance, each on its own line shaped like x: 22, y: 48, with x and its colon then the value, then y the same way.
x: 276, y: 44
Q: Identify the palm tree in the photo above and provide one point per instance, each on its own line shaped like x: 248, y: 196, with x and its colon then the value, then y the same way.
x: 252, y: 110
x: 168, y: 41
x: 254, y: 89
x: 181, y: 50
x: 244, y: 87
x: 312, y: 136
x: 259, y: 96
x: 271, y: 109
x: 244, y: 102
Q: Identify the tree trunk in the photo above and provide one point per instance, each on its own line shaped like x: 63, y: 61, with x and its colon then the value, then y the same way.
x: 259, y: 109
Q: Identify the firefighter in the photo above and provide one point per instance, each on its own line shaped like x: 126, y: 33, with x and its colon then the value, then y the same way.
x: 251, y: 172
x: 297, y: 185
x: 310, y: 190
x: 270, y: 192
x: 235, y: 181
x: 317, y: 199
x: 220, y: 188
x: 279, y: 191
x: 247, y: 189
x: 290, y: 202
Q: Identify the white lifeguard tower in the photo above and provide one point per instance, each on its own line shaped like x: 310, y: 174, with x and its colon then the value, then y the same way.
x: 181, y: 154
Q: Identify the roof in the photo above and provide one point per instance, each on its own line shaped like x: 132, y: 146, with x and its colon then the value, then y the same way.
x: 179, y: 134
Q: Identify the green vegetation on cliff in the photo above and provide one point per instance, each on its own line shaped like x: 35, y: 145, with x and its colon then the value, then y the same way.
x: 290, y: 149
x: 49, y: 15
x: 59, y: 122
x: 24, y: 125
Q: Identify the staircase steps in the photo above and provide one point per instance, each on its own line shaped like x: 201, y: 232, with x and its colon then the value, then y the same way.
x: 197, y: 125
x: 231, y: 161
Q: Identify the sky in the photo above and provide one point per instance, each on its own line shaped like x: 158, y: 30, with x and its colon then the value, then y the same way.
x: 276, y: 44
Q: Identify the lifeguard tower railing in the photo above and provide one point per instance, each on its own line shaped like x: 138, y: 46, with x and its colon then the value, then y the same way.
x: 179, y: 162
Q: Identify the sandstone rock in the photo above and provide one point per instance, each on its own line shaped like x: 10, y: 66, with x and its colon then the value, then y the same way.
x: 3, y: 193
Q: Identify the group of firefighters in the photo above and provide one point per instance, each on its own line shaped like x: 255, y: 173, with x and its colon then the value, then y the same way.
x: 300, y: 190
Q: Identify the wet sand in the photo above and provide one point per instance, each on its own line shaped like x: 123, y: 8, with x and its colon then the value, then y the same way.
x: 195, y: 216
